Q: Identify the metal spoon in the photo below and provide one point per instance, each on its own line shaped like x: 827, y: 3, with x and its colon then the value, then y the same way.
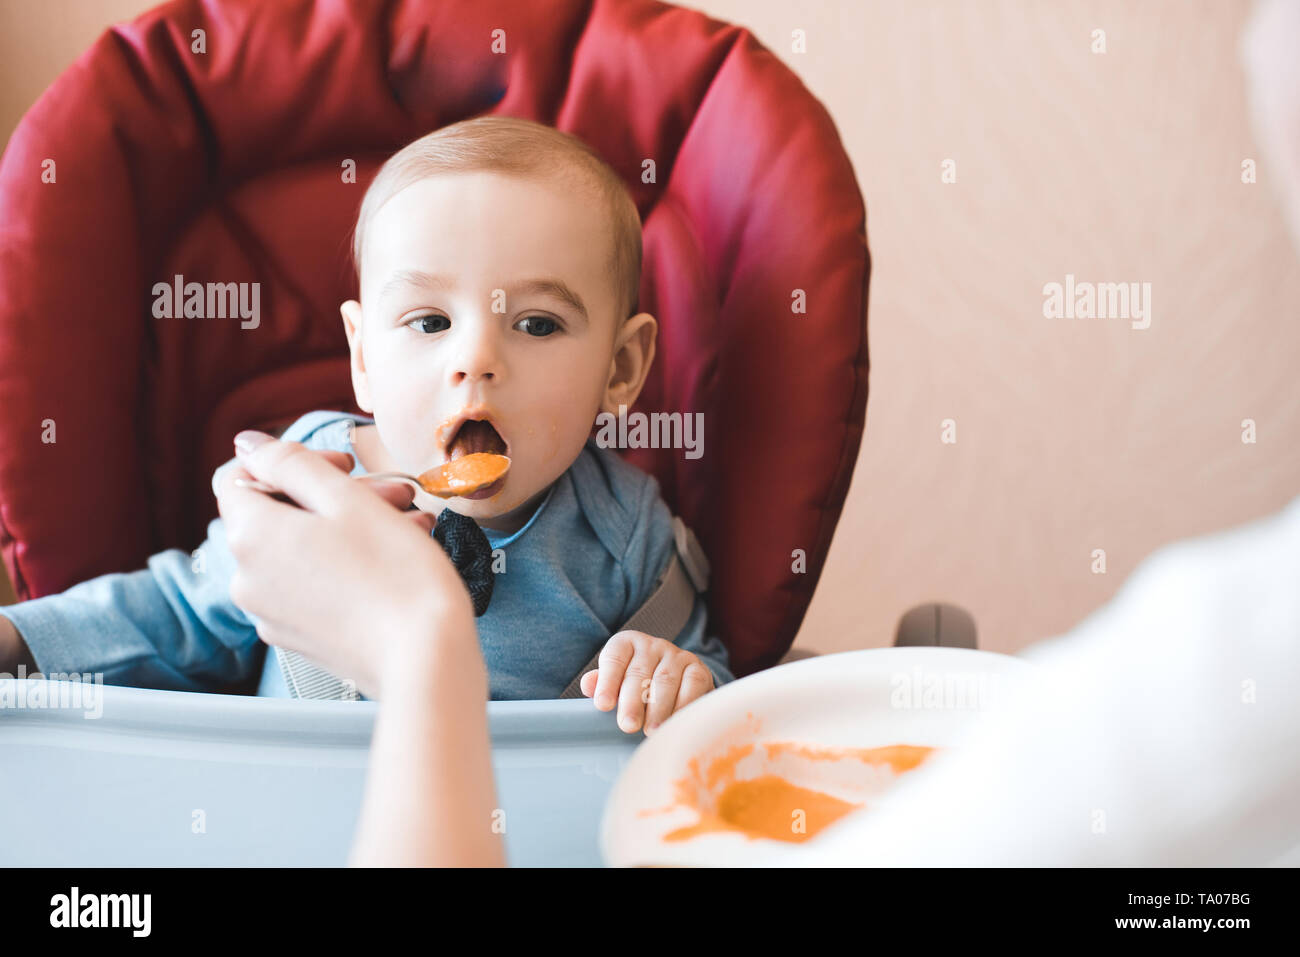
x: 462, y: 476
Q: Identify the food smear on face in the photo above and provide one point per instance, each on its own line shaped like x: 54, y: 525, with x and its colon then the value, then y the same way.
x: 769, y: 805
x: 465, y: 474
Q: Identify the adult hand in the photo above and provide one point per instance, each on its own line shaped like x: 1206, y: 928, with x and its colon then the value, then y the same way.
x: 398, y: 494
x: 347, y: 579
x: 368, y: 594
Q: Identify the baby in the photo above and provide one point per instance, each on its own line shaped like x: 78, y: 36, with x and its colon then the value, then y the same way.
x: 499, y: 266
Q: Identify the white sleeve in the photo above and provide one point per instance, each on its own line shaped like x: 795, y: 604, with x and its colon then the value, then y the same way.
x: 1163, y: 730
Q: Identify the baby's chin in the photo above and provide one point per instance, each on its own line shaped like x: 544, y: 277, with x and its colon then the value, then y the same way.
x: 507, y: 510
x: 522, y: 491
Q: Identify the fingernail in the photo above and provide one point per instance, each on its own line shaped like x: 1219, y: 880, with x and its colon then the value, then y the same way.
x: 248, y: 440
x: 216, y: 482
x: 626, y: 723
x: 604, y: 700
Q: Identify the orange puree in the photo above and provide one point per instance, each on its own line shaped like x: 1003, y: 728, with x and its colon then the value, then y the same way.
x: 768, y: 805
x: 467, y: 473
x: 901, y: 757
x: 771, y: 807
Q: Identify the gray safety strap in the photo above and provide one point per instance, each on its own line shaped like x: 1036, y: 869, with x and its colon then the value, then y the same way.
x: 306, y: 680
x: 669, y: 606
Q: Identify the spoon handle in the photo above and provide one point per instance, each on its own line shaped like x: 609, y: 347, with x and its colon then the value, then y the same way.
x: 390, y: 477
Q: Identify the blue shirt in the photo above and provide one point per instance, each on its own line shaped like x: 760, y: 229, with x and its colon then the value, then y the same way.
x: 581, y: 566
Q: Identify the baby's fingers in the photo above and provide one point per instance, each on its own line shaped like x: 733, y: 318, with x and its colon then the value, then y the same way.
x: 664, y: 688
x: 613, y: 662
x: 635, y: 692
x: 697, y: 680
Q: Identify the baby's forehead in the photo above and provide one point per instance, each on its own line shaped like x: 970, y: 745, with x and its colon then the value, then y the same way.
x: 486, y: 191
x: 536, y: 208
x: 394, y: 251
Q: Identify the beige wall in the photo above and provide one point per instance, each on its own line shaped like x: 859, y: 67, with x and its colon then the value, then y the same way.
x: 1072, y: 435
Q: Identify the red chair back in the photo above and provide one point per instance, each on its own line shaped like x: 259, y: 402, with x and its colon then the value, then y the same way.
x: 225, y: 165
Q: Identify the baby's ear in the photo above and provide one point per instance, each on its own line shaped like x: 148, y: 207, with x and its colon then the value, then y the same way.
x: 351, y: 312
x: 634, y: 352
x: 352, y: 317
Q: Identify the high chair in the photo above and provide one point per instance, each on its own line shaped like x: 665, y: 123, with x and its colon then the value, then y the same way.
x: 232, y: 141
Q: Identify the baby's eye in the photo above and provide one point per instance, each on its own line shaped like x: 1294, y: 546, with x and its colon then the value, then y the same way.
x: 539, y: 326
x: 440, y: 323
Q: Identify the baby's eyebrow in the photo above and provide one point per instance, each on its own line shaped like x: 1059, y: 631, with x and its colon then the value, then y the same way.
x: 416, y: 277
x: 555, y: 288
x: 541, y: 286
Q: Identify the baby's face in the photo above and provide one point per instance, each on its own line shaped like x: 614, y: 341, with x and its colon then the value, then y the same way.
x: 484, y: 296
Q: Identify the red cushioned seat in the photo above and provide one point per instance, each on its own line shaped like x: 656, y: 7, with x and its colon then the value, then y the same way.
x: 225, y: 166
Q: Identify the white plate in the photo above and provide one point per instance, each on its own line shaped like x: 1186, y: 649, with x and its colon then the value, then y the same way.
x: 860, y: 699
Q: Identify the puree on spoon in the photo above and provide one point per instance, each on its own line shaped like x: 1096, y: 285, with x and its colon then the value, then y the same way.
x: 465, y: 475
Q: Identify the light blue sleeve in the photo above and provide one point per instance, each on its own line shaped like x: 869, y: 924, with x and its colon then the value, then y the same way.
x: 650, y: 548
x: 170, y: 625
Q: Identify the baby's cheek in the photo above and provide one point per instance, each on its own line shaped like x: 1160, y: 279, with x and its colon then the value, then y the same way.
x: 552, y: 443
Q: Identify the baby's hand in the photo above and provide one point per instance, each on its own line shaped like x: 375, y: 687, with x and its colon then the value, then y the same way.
x: 645, y: 671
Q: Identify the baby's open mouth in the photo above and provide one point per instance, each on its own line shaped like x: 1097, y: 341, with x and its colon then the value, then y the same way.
x: 475, y: 435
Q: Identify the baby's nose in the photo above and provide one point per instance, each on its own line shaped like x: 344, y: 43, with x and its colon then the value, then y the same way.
x: 479, y: 358
x: 468, y: 371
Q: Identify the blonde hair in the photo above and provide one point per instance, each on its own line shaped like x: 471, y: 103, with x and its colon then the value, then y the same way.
x: 517, y: 147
